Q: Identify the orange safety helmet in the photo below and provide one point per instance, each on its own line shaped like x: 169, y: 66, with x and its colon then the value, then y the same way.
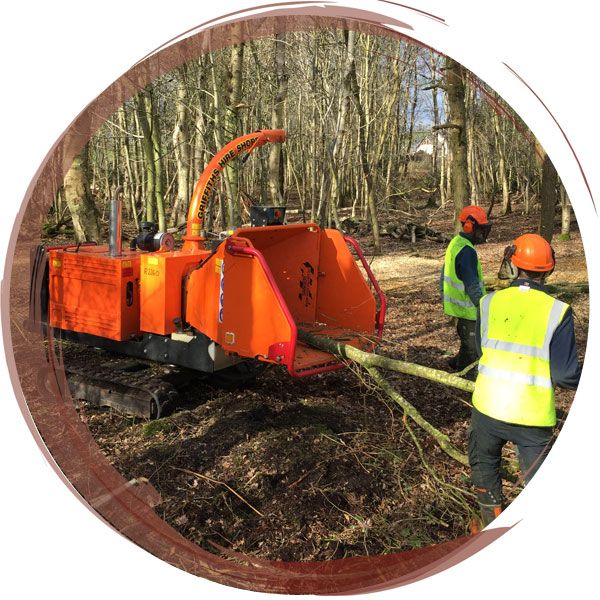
x: 469, y: 215
x: 533, y: 253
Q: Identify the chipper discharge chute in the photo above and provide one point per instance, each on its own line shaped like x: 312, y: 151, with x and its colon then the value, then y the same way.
x: 215, y: 307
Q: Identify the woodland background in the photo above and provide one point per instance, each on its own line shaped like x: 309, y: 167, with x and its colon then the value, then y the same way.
x: 371, y: 122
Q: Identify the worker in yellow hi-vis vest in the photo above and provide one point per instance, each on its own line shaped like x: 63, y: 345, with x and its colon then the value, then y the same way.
x: 527, y: 343
x: 462, y: 282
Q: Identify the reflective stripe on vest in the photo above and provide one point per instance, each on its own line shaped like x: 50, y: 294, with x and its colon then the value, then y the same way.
x: 516, y: 377
x: 514, y: 382
x: 456, y: 300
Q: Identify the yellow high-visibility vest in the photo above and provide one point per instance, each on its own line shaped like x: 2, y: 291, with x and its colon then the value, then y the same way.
x: 456, y: 300
x: 514, y: 383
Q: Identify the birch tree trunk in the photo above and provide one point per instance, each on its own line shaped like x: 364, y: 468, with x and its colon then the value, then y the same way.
x: 79, y: 201
x: 565, y: 228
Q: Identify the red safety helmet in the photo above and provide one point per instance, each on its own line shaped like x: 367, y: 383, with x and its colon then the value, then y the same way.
x: 470, y: 215
x: 533, y: 253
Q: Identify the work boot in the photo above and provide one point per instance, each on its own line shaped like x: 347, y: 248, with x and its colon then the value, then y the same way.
x: 490, y: 505
x: 489, y: 512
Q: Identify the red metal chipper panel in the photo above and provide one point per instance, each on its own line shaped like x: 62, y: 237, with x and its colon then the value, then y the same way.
x: 94, y: 293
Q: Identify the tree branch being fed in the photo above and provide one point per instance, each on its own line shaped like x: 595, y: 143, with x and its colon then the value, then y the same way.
x: 369, y: 359
x: 372, y: 362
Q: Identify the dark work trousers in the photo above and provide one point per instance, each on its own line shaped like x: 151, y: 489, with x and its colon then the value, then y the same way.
x: 467, y: 352
x: 487, y: 436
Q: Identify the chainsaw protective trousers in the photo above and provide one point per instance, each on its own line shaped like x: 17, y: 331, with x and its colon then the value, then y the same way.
x: 487, y: 437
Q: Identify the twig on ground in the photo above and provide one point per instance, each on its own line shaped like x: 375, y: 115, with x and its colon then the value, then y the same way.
x: 217, y: 482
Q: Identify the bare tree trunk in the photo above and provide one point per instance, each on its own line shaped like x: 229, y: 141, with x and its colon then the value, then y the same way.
x: 457, y: 135
x: 500, y: 149
x: 225, y: 179
x: 548, y: 196
x: 137, y: 163
x: 147, y: 146
x: 565, y: 227
x: 159, y: 189
x: 471, y: 162
x: 130, y: 180
x: 411, y: 120
x: 350, y: 43
x: 78, y: 198
x: 276, y: 184
x: 479, y: 171
x: 372, y: 362
x: 315, y: 135
x: 340, y: 134
x: 444, y: 175
x: 181, y: 146
x: 232, y: 127
x: 436, y: 121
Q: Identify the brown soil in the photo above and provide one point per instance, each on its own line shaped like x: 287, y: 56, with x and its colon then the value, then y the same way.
x: 325, y: 467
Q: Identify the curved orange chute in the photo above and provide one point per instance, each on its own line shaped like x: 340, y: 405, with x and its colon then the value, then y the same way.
x: 194, y: 237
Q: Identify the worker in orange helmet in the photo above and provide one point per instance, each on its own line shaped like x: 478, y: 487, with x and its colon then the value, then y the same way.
x: 526, y: 339
x: 462, y: 282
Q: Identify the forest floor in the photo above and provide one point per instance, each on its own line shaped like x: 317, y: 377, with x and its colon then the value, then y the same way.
x: 326, y: 467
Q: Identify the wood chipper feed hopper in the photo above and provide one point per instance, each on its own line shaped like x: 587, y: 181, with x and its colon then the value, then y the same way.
x: 263, y: 284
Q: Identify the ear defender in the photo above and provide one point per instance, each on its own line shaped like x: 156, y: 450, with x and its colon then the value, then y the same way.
x: 468, y: 225
x: 507, y: 269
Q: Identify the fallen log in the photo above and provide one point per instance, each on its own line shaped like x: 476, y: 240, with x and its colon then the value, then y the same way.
x: 413, y: 231
x: 372, y: 362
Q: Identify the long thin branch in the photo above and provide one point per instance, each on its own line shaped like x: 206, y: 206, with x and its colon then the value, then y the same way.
x: 369, y: 359
x: 442, y: 439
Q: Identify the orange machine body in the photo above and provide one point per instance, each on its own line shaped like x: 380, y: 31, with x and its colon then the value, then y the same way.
x: 251, y: 295
x: 92, y: 292
x: 162, y: 275
x: 264, y: 283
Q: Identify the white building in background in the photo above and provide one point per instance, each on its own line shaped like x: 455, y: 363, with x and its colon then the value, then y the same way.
x: 426, y: 144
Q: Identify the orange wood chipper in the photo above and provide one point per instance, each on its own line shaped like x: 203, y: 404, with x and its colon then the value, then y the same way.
x: 212, y: 304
